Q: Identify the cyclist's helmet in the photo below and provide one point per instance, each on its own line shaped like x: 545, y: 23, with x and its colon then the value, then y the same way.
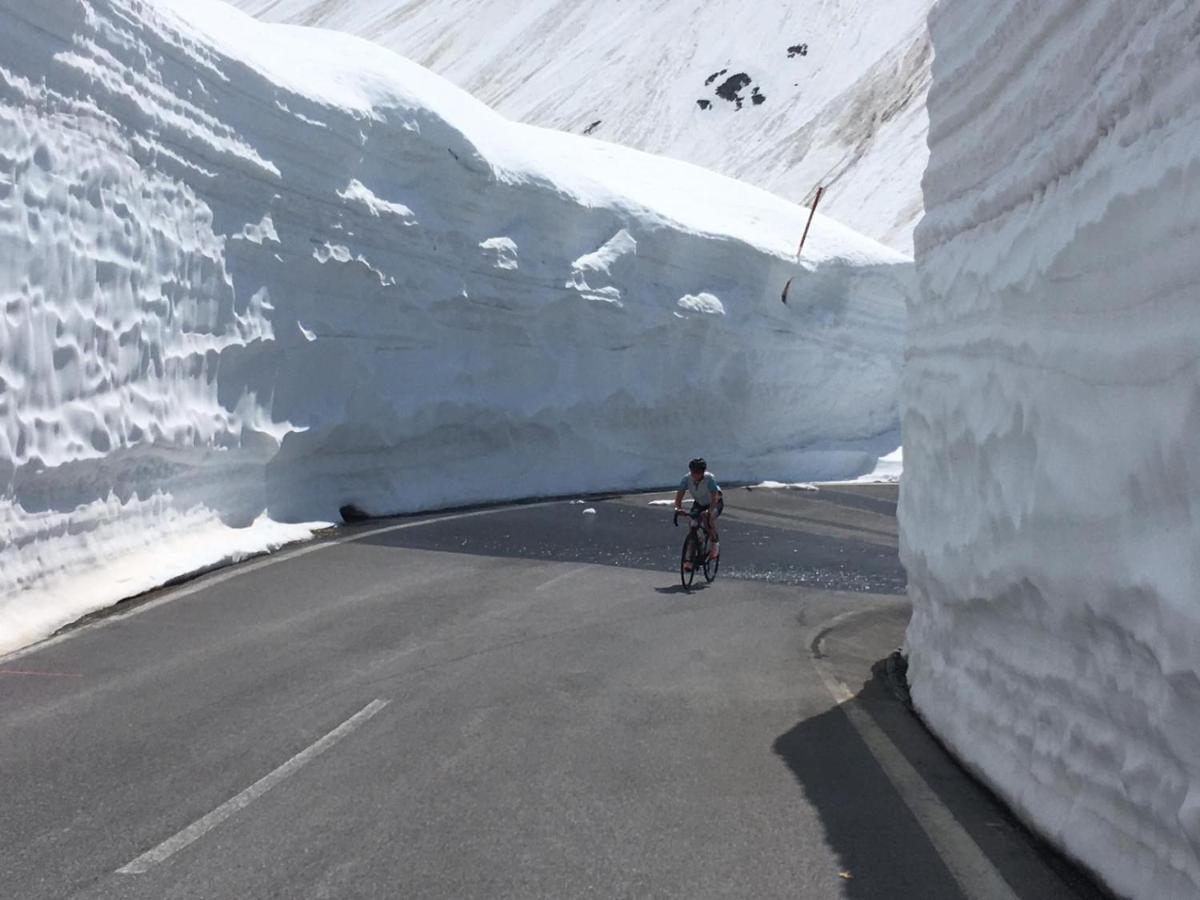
x: 698, y: 464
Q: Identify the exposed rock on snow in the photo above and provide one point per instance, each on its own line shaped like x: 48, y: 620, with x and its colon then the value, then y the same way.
x: 732, y: 88
x: 844, y: 106
x: 251, y: 276
x: 1051, y: 507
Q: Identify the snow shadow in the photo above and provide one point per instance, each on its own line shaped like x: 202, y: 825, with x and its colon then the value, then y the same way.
x: 882, y: 849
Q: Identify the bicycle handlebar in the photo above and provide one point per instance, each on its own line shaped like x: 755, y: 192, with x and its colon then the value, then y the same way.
x: 683, y: 512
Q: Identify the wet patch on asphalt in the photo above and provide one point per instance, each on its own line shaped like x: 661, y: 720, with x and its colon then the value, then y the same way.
x: 629, y: 533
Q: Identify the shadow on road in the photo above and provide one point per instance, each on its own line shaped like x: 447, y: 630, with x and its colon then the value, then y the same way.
x: 883, y: 849
x: 680, y: 589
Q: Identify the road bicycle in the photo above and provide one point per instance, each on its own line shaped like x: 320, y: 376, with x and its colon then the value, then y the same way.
x: 695, y: 548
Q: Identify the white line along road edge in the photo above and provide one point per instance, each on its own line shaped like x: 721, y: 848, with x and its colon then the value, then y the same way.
x: 234, y: 570
x: 202, y: 826
x: 976, y: 876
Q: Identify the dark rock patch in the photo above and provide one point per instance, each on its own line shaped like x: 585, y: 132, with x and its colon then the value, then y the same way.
x: 732, y: 87
x: 797, y: 50
x: 593, y: 126
x: 735, y: 89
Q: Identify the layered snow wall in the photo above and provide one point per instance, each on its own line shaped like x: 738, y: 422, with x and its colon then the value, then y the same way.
x: 1050, y: 511
x: 252, y: 273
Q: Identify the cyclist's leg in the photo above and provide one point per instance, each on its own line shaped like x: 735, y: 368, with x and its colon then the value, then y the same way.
x: 694, y: 538
x: 714, y: 548
x: 701, y: 516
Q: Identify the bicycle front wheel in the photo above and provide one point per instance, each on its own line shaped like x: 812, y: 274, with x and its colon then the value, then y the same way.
x: 710, y: 568
x: 687, y: 564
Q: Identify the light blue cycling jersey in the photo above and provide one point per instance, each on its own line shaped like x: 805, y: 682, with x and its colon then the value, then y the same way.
x: 703, y: 492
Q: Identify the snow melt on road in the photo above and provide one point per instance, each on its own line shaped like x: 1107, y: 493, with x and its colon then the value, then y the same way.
x: 252, y: 273
x: 1051, y: 506
x: 784, y: 94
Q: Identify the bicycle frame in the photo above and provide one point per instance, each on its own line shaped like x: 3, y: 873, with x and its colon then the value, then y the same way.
x: 698, y: 558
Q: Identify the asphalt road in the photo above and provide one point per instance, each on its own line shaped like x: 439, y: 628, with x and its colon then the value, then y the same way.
x: 517, y: 702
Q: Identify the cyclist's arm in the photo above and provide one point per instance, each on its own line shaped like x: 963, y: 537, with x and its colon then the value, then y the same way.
x: 679, y: 499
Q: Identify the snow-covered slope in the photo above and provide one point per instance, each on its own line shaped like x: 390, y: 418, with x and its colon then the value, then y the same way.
x: 1050, y: 510
x: 251, y: 273
x: 798, y: 92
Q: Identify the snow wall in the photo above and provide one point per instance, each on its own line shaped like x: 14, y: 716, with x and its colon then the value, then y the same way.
x: 1050, y: 511
x: 252, y: 273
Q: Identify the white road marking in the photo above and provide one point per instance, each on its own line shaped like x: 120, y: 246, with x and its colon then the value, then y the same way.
x: 557, y: 578
x: 976, y: 876
x: 204, y: 582
x: 202, y: 826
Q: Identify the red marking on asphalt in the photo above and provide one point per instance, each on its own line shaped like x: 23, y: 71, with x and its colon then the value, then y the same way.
x: 46, y: 674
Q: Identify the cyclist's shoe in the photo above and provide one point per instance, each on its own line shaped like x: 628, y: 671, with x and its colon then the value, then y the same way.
x: 687, y: 567
x: 714, y: 551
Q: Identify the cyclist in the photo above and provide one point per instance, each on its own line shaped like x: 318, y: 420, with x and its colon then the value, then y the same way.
x: 706, y: 498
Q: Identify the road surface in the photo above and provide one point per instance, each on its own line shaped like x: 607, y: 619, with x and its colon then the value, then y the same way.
x: 508, y: 702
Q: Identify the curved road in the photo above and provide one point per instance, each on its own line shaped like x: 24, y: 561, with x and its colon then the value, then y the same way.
x: 508, y: 702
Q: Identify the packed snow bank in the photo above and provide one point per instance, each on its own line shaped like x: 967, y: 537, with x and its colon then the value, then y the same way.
x: 784, y: 94
x: 252, y: 273
x: 887, y: 469
x: 1051, y: 504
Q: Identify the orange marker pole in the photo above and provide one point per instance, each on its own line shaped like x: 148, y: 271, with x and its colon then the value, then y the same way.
x: 812, y: 212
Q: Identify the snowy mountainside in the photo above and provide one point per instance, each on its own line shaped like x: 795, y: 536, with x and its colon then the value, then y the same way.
x: 1050, y: 516
x: 784, y: 95
x: 250, y: 273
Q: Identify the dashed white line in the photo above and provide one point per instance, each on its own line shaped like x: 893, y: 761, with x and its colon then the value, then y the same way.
x: 205, y: 582
x: 202, y: 826
x: 561, y: 577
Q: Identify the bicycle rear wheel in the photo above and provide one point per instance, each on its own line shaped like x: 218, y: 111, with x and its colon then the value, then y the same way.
x: 687, y: 575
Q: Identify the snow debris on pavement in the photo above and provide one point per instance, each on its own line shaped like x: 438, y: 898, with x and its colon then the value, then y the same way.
x: 1050, y: 516
x: 221, y: 327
